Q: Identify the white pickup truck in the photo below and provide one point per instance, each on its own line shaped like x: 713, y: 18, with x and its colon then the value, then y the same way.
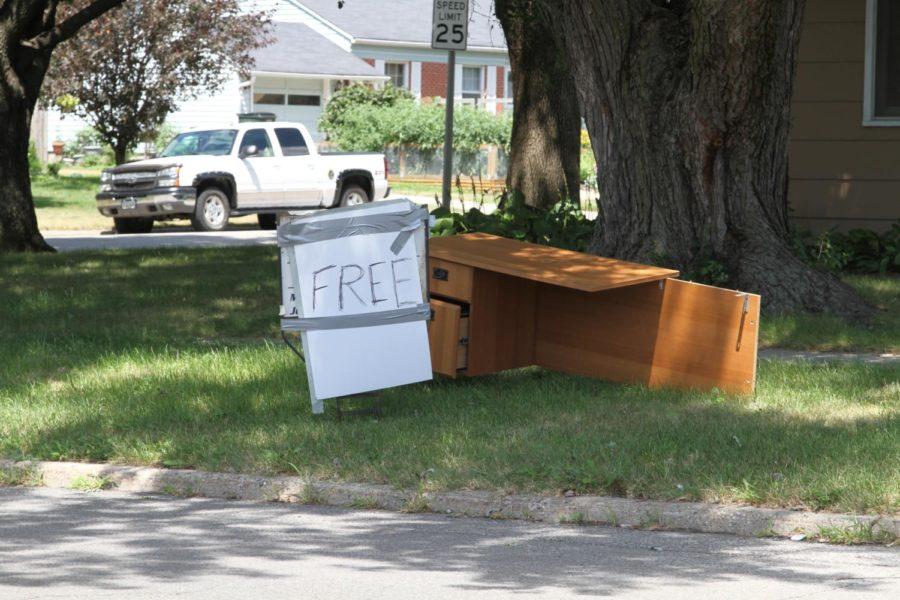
x: 254, y: 168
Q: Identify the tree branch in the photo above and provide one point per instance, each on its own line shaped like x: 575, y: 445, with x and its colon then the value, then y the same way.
x: 68, y: 28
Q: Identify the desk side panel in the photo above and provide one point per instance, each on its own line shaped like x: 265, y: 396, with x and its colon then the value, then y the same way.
x: 501, y: 323
x: 608, y: 335
x: 684, y: 335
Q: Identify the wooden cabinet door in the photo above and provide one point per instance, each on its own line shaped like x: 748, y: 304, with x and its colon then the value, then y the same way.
x: 443, y: 336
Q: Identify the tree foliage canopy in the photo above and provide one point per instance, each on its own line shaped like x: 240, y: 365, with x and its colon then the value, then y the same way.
x: 130, y: 68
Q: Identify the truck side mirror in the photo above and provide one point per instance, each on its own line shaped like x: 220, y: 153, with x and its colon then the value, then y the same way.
x: 249, y: 151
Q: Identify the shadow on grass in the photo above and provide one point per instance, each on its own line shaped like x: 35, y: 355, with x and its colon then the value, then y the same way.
x: 154, y: 295
x: 111, y: 542
x: 247, y: 409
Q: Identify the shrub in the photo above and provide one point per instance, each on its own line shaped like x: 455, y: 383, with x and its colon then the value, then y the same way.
x: 858, y: 251
x: 372, y: 128
x: 86, y: 136
x: 53, y: 168
x: 562, y: 226
x: 353, y: 96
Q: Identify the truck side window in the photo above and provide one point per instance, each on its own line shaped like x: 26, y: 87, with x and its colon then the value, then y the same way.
x: 292, y: 142
x: 260, y: 139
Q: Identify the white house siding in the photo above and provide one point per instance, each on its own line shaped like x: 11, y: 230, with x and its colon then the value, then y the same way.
x: 209, y: 111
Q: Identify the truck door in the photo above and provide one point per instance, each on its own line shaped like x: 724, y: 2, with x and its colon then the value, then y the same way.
x: 264, y: 185
x: 302, y: 183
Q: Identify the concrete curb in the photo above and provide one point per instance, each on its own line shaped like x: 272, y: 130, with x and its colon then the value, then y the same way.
x: 687, y: 516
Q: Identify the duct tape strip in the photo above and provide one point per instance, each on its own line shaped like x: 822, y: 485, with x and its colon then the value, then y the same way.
x: 421, y: 312
x: 405, y: 224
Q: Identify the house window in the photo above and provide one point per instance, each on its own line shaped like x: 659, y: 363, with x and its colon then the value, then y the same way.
x: 887, y: 59
x: 274, y: 99
x: 508, y: 87
x: 304, y: 100
x: 471, y: 82
x: 397, y: 73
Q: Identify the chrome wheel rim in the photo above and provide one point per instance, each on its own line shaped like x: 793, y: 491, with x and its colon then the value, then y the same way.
x: 355, y: 199
x: 214, y: 211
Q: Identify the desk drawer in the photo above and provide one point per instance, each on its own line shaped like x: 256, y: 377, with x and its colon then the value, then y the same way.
x: 450, y: 279
x: 448, y: 338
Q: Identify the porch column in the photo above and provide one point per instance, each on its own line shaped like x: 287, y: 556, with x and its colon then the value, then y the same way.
x: 491, y: 90
x: 415, y: 79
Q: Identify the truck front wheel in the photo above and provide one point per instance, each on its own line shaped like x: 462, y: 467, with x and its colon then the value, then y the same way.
x: 133, y: 225
x: 212, y: 210
x: 354, y: 195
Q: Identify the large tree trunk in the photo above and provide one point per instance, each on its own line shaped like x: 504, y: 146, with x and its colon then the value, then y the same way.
x: 120, y: 151
x: 18, y: 222
x: 546, y: 135
x: 29, y: 31
x: 687, y: 103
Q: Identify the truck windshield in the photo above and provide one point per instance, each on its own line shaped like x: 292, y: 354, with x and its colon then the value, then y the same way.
x: 217, y: 142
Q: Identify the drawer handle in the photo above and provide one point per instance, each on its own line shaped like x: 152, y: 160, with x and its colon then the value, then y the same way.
x: 441, y: 274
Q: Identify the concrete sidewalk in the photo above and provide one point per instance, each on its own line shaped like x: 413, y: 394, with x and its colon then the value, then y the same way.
x: 74, y: 545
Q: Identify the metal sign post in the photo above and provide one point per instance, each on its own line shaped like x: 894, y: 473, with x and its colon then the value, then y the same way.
x: 450, y: 31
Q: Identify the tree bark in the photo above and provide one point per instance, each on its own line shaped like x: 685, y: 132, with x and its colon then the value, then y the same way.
x: 546, y: 135
x: 687, y: 103
x: 120, y: 151
x: 19, y: 70
x: 18, y: 221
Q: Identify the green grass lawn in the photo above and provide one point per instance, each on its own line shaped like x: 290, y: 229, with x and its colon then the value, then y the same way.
x: 67, y: 202
x: 824, y: 332
x: 171, y: 358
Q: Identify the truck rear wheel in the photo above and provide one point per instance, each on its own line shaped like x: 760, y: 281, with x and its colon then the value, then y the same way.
x: 354, y: 195
x: 133, y: 225
x: 212, y: 210
x: 267, y: 221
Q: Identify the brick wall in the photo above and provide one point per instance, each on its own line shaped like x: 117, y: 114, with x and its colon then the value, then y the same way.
x: 501, y: 81
x: 434, y: 80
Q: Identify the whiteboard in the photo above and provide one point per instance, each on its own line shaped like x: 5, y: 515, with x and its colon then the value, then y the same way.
x: 358, y: 275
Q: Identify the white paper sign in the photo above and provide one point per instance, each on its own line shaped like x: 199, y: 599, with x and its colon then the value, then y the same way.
x: 450, y: 25
x: 359, y: 275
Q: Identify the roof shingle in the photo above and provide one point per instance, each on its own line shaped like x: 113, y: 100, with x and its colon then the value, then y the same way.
x: 299, y: 49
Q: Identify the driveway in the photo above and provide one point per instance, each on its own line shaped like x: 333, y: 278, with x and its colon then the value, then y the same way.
x: 67, y: 544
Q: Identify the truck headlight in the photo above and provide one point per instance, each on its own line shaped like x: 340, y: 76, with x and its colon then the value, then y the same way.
x: 168, y: 177
x: 106, y: 187
x: 105, y: 177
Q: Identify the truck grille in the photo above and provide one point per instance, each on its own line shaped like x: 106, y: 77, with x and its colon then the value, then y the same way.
x: 133, y: 182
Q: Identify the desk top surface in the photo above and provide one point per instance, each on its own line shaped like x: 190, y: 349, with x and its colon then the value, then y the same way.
x: 544, y: 264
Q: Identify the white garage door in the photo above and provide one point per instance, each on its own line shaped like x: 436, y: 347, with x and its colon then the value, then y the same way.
x: 295, y: 105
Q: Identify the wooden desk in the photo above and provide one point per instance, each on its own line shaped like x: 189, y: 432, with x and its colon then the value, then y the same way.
x: 500, y: 304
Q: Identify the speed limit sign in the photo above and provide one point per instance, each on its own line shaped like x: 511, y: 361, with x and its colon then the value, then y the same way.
x: 450, y: 30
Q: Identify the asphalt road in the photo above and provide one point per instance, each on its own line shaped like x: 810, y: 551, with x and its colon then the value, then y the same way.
x: 67, y: 544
